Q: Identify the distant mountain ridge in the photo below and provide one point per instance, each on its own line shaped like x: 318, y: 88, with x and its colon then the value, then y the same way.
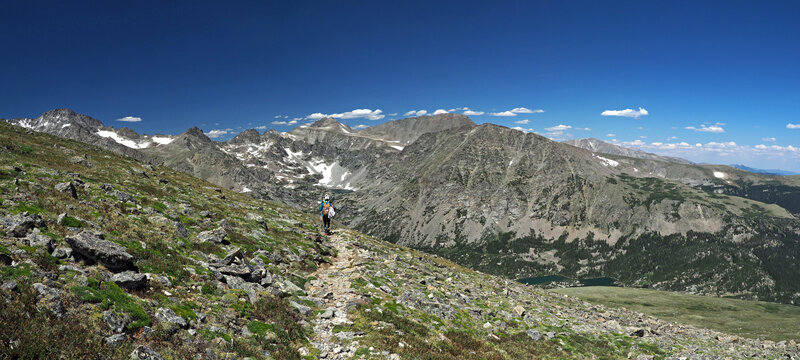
x: 777, y: 172
x: 601, y: 146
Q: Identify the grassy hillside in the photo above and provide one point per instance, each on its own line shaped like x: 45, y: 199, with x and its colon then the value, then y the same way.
x: 753, y: 319
x: 105, y: 257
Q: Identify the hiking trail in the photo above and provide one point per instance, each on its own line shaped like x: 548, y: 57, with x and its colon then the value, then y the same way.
x: 332, y: 284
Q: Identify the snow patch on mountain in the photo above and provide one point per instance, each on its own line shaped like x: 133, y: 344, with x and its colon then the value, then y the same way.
x: 121, y: 140
x: 606, y: 162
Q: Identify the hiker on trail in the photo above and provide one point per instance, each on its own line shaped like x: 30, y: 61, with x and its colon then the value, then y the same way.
x: 327, y: 210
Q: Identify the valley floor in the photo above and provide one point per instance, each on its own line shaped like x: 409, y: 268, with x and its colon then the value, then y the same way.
x: 752, y: 319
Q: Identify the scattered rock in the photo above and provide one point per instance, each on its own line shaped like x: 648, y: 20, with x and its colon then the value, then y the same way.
x: 62, y: 252
x: 115, y: 322
x: 36, y: 239
x: 96, y: 249
x: 240, y: 270
x: 20, y: 225
x: 638, y: 333
x: 302, y: 309
x: 181, y: 230
x: 67, y: 188
x: 115, y: 339
x: 130, y: 280
x: 145, y: 353
x: 328, y: 313
x: 9, y: 285
x: 166, y: 315
x: 50, y: 298
x: 124, y: 197
x: 533, y: 334
x: 232, y: 255
x: 519, y: 310
x: 216, y: 236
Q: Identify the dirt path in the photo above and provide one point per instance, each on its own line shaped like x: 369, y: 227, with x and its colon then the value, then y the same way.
x: 332, y: 284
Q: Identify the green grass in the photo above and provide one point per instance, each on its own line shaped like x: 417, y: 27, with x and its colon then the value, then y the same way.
x: 752, y: 319
x: 110, y: 294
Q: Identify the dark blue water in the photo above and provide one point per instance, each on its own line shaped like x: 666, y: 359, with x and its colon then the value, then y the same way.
x: 542, y: 279
x: 601, y: 281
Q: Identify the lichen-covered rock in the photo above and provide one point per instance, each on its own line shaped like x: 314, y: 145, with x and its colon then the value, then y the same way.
x: 20, y: 225
x: 94, y: 248
x: 115, y: 322
x: 36, y: 239
x: 124, y: 197
x: 67, y: 188
x: 166, y: 315
x: 145, y: 353
x: 216, y: 236
x: 130, y: 280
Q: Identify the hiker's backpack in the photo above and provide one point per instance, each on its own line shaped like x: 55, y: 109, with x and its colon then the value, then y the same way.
x: 326, y: 208
x: 332, y: 212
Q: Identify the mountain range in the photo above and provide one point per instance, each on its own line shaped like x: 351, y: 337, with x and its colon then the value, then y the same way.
x: 503, y: 201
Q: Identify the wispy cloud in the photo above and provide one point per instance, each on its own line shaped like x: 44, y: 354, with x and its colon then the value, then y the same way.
x: 626, y: 113
x: 218, y: 132
x: 522, y: 110
x: 368, y: 114
x: 523, y: 122
x: 559, y: 127
x: 515, y: 111
x: 416, y: 113
x: 130, y: 119
x: 793, y: 126
x: 703, y: 128
x: 503, y: 113
x: 611, y: 135
x: 440, y: 111
x: 473, y: 113
x: 768, y: 139
x: 520, y: 128
x: 361, y: 126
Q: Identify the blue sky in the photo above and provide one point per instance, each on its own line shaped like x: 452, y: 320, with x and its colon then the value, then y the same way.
x: 723, y: 75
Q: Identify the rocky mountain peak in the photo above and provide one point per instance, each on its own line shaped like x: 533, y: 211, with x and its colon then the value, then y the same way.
x: 325, y: 122
x: 67, y: 116
x: 195, y: 133
x: 248, y: 136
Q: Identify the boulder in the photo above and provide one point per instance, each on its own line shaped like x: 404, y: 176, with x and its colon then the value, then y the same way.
x: 124, y: 197
x: 36, y: 239
x: 115, y: 322
x: 94, y: 248
x: 115, y: 339
x: 232, y: 255
x: 216, y: 236
x: 251, y: 289
x: 50, y: 298
x: 302, y: 309
x: 145, y: 353
x: 240, y: 270
x: 67, y: 188
x: 20, y: 225
x: 130, y: 280
x: 534, y: 335
x: 166, y: 315
x: 62, y: 252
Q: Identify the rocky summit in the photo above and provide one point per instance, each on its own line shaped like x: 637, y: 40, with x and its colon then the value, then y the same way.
x: 170, y: 253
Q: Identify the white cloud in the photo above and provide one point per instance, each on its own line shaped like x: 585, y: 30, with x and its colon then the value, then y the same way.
x: 278, y: 116
x: 218, y: 132
x: 793, y: 126
x: 769, y: 139
x: 522, y: 110
x: 458, y: 109
x: 393, y: 114
x: 279, y: 123
x: 440, y: 111
x: 503, y: 113
x: 130, y: 119
x: 520, y: 128
x: 362, y: 126
x: 523, y: 122
x: 611, y: 135
x: 559, y: 128
x: 703, y: 128
x: 368, y: 114
x: 626, y: 113
x: 416, y: 113
x: 584, y: 129
x: 473, y: 112
x: 262, y: 127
